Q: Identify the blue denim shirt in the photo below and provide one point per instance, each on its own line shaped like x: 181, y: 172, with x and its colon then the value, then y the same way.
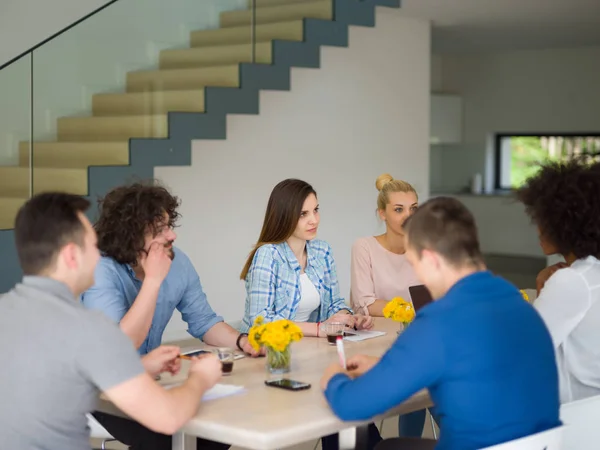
x: 116, y: 287
x: 273, y: 283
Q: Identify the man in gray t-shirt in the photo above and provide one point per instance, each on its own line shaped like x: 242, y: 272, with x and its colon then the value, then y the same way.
x: 61, y: 355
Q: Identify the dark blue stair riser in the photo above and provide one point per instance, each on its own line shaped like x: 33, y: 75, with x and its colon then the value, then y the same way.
x: 145, y: 154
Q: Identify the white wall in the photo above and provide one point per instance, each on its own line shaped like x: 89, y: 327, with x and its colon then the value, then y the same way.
x: 94, y: 57
x: 436, y: 73
x: 364, y: 112
x: 504, y: 228
x: 527, y: 91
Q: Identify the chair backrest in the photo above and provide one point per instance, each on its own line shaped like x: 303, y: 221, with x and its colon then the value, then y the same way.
x: 582, y: 423
x: 546, y: 440
x: 96, y: 430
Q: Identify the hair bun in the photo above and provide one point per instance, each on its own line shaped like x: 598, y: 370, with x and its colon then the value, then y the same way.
x: 382, y: 180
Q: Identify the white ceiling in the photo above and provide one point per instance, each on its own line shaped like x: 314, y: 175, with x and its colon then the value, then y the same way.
x: 461, y: 26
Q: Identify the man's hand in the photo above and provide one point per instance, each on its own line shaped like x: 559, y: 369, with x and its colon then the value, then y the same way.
x: 162, y: 359
x: 207, y: 368
x: 329, y: 373
x: 362, y: 322
x: 156, y: 263
x: 546, y: 273
x: 360, y: 364
x: 248, y: 349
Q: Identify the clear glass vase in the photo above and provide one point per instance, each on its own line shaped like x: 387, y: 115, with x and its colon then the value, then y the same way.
x: 279, y: 362
x: 402, y: 326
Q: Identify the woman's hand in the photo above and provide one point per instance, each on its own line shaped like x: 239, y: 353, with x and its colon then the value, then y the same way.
x: 362, y: 322
x: 546, y: 273
x: 342, y: 317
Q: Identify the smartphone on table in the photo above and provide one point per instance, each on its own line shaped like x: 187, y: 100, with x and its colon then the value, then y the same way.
x: 191, y: 353
x: 290, y: 385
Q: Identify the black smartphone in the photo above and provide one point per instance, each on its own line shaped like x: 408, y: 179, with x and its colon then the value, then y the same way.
x: 290, y: 385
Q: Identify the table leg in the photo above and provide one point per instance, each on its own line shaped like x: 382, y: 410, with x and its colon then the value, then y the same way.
x: 354, y: 438
x: 181, y: 441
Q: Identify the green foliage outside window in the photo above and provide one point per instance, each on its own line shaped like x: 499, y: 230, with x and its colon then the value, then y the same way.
x: 528, y: 152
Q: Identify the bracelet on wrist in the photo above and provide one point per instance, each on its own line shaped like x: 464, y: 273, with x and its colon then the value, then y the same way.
x: 239, y: 338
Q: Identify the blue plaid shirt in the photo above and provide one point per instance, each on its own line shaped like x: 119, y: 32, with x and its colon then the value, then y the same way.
x: 273, y: 283
x: 116, y: 287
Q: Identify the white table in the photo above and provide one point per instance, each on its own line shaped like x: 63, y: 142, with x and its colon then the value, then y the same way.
x: 265, y: 418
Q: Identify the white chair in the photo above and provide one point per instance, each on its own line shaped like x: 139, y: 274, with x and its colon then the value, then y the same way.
x: 99, y: 432
x: 546, y: 440
x: 582, y: 423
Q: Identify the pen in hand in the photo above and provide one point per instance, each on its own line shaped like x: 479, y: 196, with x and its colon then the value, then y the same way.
x: 339, y: 342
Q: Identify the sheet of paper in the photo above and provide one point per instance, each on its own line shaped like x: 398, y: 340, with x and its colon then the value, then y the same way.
x: 217, y: 391
x: 362, y: 335
x: 222, y: 390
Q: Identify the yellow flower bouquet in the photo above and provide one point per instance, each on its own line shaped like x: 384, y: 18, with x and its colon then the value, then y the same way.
x: 276, y: 337
x: 399, y: 310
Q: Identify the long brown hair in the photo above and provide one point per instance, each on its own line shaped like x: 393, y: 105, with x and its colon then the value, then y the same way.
x: 282, y: 215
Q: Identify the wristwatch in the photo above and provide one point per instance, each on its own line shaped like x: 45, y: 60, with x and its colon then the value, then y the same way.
x: 239, y: 338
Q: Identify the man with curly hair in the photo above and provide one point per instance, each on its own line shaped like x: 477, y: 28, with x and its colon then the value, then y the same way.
x: 142, y: 278
x: 563, y: 200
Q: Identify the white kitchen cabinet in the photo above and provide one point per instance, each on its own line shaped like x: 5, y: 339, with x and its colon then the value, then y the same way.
x: 446, y: 119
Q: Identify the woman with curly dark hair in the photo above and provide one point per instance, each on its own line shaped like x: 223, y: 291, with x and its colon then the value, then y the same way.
x: 563, y: 200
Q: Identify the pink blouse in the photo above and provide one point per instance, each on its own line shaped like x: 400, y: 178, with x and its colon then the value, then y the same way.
x: 377, y: 273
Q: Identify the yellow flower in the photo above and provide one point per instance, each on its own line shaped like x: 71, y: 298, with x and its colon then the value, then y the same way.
x: 399, y: 310
x: 277, y: 335
x: 524, y: 294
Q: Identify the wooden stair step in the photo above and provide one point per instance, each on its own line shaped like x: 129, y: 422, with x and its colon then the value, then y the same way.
x: 14, y: 181
x: 217, y: 55
x: 9, y: 207
x: 289, y: 31
x: 113, y: 128
x: 183, y: 79
x: 73, y: 155
x: 316, y: 9
x: 149, y: 102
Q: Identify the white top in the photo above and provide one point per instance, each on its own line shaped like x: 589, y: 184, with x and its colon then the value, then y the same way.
x: 569, y: 303
x: 309, y: 299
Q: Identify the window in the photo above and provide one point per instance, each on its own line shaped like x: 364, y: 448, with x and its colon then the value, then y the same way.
x: 518, y: 156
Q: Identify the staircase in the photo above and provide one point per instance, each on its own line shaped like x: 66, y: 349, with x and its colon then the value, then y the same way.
x: 161, y: 111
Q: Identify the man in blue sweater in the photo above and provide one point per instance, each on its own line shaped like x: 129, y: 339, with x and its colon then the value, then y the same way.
x: 482, y: 351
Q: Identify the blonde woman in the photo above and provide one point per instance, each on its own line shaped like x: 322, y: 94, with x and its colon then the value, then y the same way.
x: 380, y: 270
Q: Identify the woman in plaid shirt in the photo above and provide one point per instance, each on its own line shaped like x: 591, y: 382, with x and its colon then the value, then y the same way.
x: 290, y: 274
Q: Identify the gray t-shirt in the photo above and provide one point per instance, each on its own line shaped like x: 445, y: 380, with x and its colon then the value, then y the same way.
x: 56, y: 358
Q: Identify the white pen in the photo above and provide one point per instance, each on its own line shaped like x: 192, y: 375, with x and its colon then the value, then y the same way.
x: 339, y: 342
